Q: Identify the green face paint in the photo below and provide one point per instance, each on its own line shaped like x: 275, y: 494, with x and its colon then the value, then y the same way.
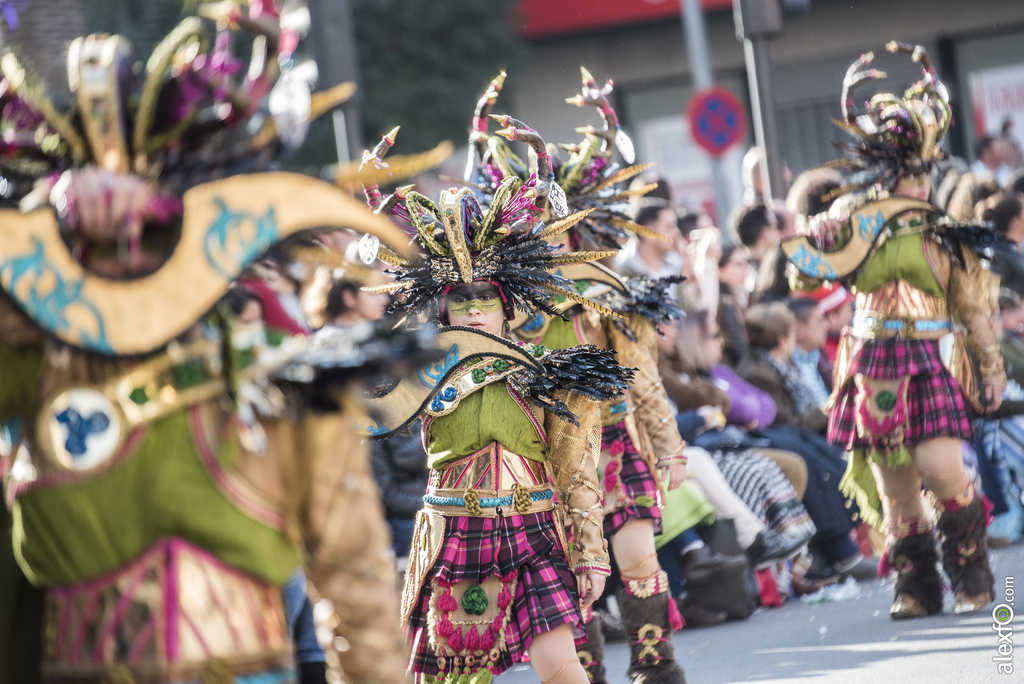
x: 485, y: 306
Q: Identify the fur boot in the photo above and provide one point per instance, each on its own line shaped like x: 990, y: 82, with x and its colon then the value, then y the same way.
x: 965, y: 556
x: 591, y: 652
x: 647, y: 627
x: 918, y: 583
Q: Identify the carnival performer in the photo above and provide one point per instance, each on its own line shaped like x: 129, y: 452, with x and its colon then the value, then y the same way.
x: 900, y: 411
x: 491, y: 576
x: 639, y: 434
x: 163, y: 485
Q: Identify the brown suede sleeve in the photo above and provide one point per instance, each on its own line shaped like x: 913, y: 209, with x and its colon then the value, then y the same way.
x: 648, y: 393
x: 573, y: 453
x: 970, y: 306
x: 351, y: 563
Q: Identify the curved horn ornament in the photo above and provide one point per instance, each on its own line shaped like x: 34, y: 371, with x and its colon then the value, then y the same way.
x: 227, y: 225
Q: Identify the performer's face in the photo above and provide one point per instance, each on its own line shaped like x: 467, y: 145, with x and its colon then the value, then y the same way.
x: 477, y: 305
x: 915, y: 186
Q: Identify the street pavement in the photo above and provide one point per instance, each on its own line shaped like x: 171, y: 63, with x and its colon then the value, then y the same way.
x: 851, y: 641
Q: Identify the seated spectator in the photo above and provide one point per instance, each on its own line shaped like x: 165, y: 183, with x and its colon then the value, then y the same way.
x: 1011, y: 341
x: 836, y: 303
x: 750, y: 471
x: 810, y: 195
x: 343, y: 314
x: 278, y: 290
x: 733, y: 268
x: 683, y: 555
x: 649, y: 256
x: 1006, y: 214
x: 799, y: 427
x: 811, y: 335
x: 703, y: 252
x: 771, y: 329
x: 991, y: 152
x: 772, y: 282
x: 757, y: 229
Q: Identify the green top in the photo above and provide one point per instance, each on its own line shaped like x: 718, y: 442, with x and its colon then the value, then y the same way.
x: 19, y: 380
x: 65, y: 534
x: 561, y: 334
x: 487, y: 415
x: 900, y: 258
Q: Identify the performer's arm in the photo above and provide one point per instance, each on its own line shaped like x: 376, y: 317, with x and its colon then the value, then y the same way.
x: 970, y: 306
x: 652, y: 405
x: 573, y: 452
x: 350, y: 559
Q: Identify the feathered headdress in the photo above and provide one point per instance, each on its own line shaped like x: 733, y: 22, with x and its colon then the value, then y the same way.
x: 504, y: 243
x: 895, y: 133
x: 586, y: 181
x: 189, y: 114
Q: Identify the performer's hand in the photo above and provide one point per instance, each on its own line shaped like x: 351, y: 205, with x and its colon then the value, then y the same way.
x: 591, y: 588
x: 109, y: 206
x: 993, y: 398
x: 676, y: 475
x: 826, y: 230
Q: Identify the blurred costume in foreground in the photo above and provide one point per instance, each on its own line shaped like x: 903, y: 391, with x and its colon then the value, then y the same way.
x: 639, y: 433
x: 165, y: 476
x: 897, y: 407
x: 510, y: 430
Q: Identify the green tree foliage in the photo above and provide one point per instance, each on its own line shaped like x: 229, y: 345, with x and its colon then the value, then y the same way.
x: 424, y: 63
x: 144, y: 22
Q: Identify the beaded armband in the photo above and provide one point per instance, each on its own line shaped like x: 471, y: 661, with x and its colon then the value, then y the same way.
x: 583, y: 506
x: 673, y: 459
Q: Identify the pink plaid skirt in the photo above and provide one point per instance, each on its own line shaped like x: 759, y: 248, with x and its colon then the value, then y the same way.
x: 627, y: 469
x: 546, y: 595
x: 936, y: 406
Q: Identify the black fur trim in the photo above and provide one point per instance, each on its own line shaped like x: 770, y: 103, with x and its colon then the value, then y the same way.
x: 915, y: 559
x: 964, y: 530
x: 637, y: 612
x: 593, y: 647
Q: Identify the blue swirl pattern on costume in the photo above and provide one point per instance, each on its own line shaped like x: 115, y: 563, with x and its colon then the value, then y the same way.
x: 812, y: 264
x: 39, y: 287
x: 868, y: 227
x: 229, y: 247
x: 431, y: 373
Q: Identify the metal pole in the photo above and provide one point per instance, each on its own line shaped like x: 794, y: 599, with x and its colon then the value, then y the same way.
x: 334, y: 48
x: 700, y: 71
x: 762, y: 101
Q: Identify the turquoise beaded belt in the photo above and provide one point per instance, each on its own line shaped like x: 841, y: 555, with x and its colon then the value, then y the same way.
x: 471, y: 503
x: 870, y: 327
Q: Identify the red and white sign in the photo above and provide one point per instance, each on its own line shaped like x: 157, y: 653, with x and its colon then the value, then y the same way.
x: 546, y: 18
x: 997, y: 95
x: 717, y: 120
